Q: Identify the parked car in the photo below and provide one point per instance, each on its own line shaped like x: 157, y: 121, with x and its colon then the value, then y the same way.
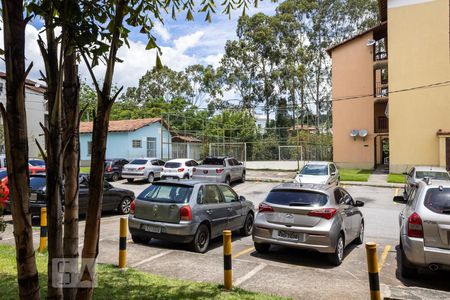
x: 35, y: 165
x: 181, y: 168
x: 416, y: 174
x: 36, y: 162
x: 425, y: 227
x: 188, y: 212
x: 114, y: 167
x: 220, y: 169
x: 114, y: 199
x: 4, y: 190
x: 318, y: 172
x: 309, y: 216
x: 145, y: 168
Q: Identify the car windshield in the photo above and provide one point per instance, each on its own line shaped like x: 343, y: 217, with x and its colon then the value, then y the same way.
x: 3, y: 174
x: 438, y: 200
x: 37, y: 163
x: 173, y: 165
x: 296, y: 198
x: 432, y: 175
x: 214, y: 161
x: 165, y: 193
x: 37, y: 183
x: 138, y: 162
x: 314, y: 170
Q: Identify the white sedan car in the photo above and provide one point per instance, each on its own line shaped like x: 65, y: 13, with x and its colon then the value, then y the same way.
x: 318, y: 172
x: 181, y: 168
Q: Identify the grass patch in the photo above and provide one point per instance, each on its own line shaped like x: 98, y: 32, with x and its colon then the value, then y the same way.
x: 396, y: 178
x: 130, y: 284
x: 354, y: 174
x: 85, y: 169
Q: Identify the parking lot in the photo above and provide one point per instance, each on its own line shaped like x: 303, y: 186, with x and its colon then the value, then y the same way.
x: 294, y: 273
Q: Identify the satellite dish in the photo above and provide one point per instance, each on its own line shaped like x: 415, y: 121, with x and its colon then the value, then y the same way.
x: 363, y: 133
x: 371, y: 42
x: 354, y: 134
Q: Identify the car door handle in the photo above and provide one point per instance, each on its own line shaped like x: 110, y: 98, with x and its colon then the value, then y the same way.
x: 209, y: 211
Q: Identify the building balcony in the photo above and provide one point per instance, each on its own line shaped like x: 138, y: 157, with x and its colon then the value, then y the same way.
x: 381, y: 124
x: 381, y: 91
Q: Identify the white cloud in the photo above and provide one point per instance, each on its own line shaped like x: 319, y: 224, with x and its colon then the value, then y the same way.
x: 161, y: 31
x: 214, y: 60
x: 188, y: 41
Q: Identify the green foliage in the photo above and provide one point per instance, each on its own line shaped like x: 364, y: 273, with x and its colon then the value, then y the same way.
x: 354, y: 174
x: 396, y: 178
x: 130, y: 284
x: 265, y: 148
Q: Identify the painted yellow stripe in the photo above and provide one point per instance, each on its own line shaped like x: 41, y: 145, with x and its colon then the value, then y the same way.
x: 243, y: 252
x: 383, y: 257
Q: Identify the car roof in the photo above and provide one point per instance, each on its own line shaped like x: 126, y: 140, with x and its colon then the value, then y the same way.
x: 324, y: 188
x: 147, y: 158
x: 323, y: 163
x: 435, y: 183
x: 430, y: 168
x: 179, y: 160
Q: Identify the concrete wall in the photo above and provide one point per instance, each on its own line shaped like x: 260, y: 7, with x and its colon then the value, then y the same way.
x: 352, y: 76
x: 419, y: 55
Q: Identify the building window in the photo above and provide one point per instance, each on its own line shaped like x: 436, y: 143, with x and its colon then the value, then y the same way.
x: 137, y: 143
x: 89, y: 148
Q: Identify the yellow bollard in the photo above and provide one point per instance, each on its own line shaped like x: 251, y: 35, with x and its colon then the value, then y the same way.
x: 372, y: 265
x: 43, y: 238
x: 123, y: 243
x: 228, y: 272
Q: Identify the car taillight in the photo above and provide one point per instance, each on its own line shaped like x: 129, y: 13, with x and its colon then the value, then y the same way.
x: 132, y: 207
x: 415, y: 228
x: 263, y: 207
x: 141, y: 168
x: 326, y: 213
x: 181, y: 170
x: 185, y: 213
x: 218, y: 171
x: 109, y: 169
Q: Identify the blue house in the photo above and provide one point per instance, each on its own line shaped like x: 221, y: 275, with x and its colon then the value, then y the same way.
x: 130, y: 139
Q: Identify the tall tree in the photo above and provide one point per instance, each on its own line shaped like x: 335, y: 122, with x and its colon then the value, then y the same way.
x: 15, y: 127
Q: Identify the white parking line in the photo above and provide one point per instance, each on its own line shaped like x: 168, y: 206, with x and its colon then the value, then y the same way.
x: 151, y: 258
x: 249, y: 275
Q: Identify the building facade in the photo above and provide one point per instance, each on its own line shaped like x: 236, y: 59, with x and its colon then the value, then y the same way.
x: 391, y: 89
x: 36, y: 110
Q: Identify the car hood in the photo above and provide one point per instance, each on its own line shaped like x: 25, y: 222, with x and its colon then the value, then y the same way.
x: 318, y: 179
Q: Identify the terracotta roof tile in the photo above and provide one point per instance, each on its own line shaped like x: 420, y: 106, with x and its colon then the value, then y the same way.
x: 121, y: 126
x: 185, y: 139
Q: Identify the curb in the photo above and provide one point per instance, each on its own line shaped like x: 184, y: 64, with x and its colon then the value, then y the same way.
x: 259, y: 179
x: 351, y: 183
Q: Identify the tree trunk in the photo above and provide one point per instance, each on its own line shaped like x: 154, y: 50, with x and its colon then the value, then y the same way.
x: 71, y: 161
x: 16, y: 140
x: 99, y: 139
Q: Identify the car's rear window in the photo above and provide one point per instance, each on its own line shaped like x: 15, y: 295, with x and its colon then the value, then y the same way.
x: 296, y: 198
x: 214, y: 161
x: 37, y: 183
x: 438, y: 200
x: 3, y: 174
x: 166, y: 193
x: 37, y: 163
x: 173, y: 165
x: 433, y: 175
x: 138, y: 162
x: 315, y: 170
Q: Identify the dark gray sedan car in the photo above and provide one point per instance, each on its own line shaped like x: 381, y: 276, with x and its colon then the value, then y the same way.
x: 189, y: 212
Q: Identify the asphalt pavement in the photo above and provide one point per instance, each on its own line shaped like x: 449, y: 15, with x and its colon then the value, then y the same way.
x: 288, y: 272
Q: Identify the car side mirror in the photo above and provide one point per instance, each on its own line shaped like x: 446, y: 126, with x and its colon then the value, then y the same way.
x: 242, y: 198
x: 400, y: 200
x: 359, y: 203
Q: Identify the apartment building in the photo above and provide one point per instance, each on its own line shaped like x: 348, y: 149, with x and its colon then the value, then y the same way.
x: 391, y: 89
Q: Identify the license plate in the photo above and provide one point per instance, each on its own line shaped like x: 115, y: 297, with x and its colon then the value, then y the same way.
x: 149, y: 228
x: 205, y: 171
x: 33, y: 197
x: 289, y: 235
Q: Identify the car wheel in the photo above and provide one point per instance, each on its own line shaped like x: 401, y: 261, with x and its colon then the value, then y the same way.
x: 140, y: 240
x: 248, y: 225
x: 150, y: 178
x: 406, y: 270
x: 115, y: 177
x: 243, y: 177
x: 130, y: 180
x: 201, y: 239
x: 228, y: 180
x: 124, y: 206
x: 338, y: 255
x: 360, y: 239
x: 262, y: 248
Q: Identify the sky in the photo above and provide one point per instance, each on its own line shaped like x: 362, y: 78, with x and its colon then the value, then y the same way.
x: 182, y: 43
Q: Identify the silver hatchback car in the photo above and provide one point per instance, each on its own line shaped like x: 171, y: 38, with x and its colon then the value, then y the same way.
x: 189, y: 212
x: 316, y: 217
x: 425, y: 227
